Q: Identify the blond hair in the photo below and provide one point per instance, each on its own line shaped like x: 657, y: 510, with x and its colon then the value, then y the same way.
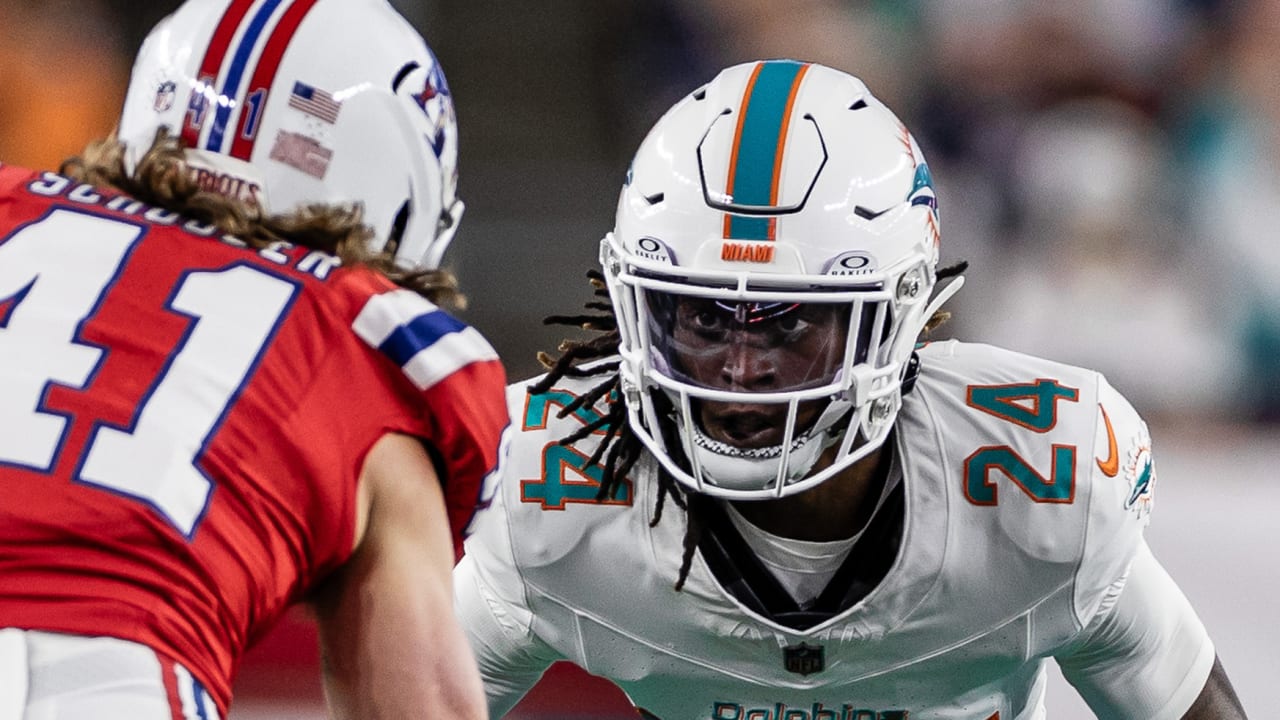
x: 163, y: 179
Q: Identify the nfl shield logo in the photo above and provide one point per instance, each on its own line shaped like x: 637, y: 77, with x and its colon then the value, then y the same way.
x: 164, y: 95
x: 803, y: 659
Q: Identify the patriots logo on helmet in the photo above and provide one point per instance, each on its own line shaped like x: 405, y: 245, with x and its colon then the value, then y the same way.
x: 434, y: 87
x: 437, y: 103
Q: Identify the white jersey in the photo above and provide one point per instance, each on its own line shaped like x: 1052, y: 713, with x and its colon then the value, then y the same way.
x: 1025, y: 487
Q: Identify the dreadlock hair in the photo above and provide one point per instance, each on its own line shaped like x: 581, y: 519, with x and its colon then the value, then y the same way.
x: 163, y: 179
x: 942, y: 316
x: 622, y: 445
x: 620, y: 442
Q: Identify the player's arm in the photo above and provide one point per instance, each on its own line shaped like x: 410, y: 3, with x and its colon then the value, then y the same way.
x: 392, y: 646
x: 1218, y: 700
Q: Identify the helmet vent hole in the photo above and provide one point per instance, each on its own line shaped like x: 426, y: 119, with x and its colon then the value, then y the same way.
x: 858, y: 105
x: 397, y: 229
x: 867, y: 213
x: 403, y: 73
x: 700, y: 93
x: 655, y: 198
x: 952, y: 270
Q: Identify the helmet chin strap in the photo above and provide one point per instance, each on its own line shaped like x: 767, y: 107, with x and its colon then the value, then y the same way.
x: 736, y: 468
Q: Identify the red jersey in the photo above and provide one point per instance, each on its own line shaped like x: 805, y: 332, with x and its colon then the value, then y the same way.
x: 183, y: 420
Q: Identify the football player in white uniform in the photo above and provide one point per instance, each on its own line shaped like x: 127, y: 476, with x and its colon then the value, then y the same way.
x: 758, y: 495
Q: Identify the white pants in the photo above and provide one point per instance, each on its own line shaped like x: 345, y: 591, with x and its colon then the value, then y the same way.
x: 50, y: 676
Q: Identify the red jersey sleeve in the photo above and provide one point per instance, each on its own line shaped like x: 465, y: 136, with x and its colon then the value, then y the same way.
x: 461, y: 384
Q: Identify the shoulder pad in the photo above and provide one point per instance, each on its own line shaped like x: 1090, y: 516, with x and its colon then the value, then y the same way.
x: 1052, y: 459
x: 426, y: 342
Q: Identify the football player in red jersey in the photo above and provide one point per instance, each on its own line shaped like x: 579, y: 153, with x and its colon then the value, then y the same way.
x: 227, y: 383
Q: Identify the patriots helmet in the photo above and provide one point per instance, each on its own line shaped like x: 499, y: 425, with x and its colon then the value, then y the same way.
x: 289, y: 103
x: 771, y: 267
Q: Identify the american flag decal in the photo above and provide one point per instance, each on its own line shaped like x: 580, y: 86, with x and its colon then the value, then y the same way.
x: 314, y: 101
x: 303, y: 153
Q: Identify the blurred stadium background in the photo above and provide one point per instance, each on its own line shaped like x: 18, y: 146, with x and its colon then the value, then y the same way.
x: 1109, y: 168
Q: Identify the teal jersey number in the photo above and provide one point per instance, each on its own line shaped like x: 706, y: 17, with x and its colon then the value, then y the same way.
x: 566, y: 477
x: 1033, y: 406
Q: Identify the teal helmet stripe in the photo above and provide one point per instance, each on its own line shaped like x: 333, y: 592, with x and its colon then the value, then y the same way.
x: 761, y: 129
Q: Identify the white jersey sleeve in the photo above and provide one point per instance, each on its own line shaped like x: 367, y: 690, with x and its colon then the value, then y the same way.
x: 1145, y: 656
x: 1143, y: 653
x: 490, y: 598
x: 1122, y: 494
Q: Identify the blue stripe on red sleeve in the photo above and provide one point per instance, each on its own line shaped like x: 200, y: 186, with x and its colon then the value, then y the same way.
x: 418, y: 334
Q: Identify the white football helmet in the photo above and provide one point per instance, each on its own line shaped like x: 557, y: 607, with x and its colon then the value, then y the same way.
x: 295, y: 102
x: 771, y: 268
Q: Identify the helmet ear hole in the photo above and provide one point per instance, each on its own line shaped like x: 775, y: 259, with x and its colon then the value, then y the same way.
x: 397, y: 229
x: 403, y: 73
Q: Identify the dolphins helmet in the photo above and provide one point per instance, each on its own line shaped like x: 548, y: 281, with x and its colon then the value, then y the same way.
x: 771, y: 267
x: 288, y: 103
